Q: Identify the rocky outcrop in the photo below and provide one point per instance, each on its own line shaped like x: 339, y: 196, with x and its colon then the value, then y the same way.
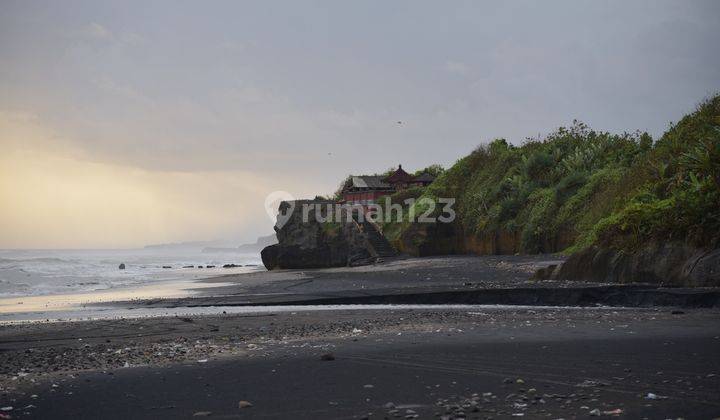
x: 665, y: 264
x: 269, y: 256
x: 314, y: 243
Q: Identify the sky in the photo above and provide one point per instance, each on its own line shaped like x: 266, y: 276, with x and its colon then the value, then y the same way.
x: 124, y: 123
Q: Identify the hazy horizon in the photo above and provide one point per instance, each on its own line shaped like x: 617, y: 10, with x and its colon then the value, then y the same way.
x: 128, y: 124
x: 221, y: 243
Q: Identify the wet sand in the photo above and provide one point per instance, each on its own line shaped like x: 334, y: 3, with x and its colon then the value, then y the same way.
x: 70, y: 301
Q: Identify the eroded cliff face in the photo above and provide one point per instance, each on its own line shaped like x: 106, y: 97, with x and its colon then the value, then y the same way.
x: 423, y: 239
x: 314, y: 244
x: 674, y: 264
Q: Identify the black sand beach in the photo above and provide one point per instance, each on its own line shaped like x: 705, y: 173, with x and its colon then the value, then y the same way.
x: 393, y: 362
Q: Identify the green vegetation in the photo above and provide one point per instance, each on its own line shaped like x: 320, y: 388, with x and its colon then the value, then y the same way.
x: 578, y: 187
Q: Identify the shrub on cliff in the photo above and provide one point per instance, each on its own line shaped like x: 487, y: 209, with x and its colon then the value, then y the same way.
x: 680, y: 196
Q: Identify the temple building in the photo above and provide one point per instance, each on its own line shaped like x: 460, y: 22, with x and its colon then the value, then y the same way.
x: 367, y: 189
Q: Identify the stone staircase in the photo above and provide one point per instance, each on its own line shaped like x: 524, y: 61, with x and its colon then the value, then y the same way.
x: 377, y: 241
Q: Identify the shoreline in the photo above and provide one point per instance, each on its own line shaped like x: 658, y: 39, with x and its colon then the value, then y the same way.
x: 80, y: 301
x: 446, y: 280
x: 260, y: 283
x: 77, y: 303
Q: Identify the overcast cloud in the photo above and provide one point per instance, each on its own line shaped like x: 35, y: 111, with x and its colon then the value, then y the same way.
x: 295, y: 95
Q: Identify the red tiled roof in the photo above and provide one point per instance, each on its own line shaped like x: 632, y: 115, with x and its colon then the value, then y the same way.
x: 399, y: 176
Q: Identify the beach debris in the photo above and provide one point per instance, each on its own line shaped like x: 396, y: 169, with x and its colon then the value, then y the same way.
x: 595, y: 412
x: 244, y: 404
x: 8, y: 408
x: 232, y: 265
x: 166, y: 266
x: 651, y: 396
x: 615, y: 412
x: 202, y: 414
x: 126, y: 365
x: 326, y: 357
x: 202, y: 361
x: 590, y: 384
x: 188, y: 266
x: 519, y: 381
x: 121, y: 266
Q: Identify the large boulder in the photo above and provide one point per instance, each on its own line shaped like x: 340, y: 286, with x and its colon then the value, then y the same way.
x: 306, y: 242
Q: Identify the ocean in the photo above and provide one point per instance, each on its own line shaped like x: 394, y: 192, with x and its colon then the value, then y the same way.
x: 53, y: 272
